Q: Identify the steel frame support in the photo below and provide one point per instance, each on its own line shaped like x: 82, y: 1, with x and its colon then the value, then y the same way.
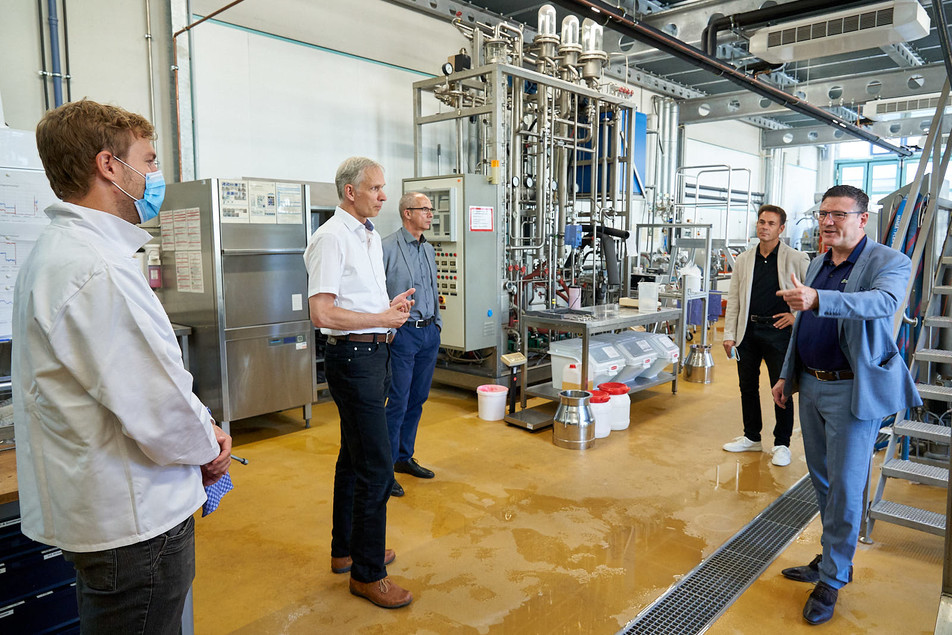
x: 851, y: 90
x: 819, y: 135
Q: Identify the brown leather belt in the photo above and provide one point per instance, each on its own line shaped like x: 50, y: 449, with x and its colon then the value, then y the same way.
x: 375, y: 338
x: 829, y: 375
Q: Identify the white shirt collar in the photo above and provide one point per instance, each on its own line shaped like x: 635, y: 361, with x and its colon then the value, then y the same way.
x: 99, y: 226
x: 351, y: 222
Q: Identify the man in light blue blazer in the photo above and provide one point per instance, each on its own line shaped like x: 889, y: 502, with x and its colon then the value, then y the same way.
x: 409, y: 258
x: 844, y: 362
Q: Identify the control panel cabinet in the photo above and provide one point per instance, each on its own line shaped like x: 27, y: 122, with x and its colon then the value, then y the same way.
x: 465, y: 235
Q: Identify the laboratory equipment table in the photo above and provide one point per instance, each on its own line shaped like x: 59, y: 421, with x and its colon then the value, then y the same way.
x: 586, y: 326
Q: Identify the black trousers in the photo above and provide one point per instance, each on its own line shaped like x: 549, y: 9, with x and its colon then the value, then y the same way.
x: 358, y: 375
x: 763, y: 343
x: 139, y: 589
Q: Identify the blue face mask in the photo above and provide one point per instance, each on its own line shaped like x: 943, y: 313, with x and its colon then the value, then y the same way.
x: 147, y: 206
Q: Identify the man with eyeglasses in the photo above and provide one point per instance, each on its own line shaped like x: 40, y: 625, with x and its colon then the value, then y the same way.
x: 757, y: 328
x: 844, y: 362
x: 410, y: 262
x: 113, y: 446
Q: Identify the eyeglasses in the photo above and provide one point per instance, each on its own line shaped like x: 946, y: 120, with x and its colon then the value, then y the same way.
x: 425, y: 210
x: 838, y: 217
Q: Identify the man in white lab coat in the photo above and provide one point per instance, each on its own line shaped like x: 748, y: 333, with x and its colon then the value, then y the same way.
x: 113, y: 448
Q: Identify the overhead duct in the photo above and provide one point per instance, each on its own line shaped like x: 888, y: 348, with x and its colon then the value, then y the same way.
x: 767, y: 15
x: 891, y: 108
x: 842, y: 31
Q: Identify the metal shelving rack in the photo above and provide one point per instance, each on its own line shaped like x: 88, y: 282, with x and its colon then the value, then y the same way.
x: 537, y: 418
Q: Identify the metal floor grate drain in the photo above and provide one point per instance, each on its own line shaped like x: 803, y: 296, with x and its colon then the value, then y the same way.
x: 692, y: 605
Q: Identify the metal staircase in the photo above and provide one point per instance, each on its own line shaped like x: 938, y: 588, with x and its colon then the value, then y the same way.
x: 927, y: 358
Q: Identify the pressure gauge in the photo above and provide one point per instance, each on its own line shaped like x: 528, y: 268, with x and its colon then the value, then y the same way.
x: 530, y: 182
x: 447, y: 68
x: 515, y: 181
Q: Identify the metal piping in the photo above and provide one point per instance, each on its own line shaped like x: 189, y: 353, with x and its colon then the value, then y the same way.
x: 69, y: 91
x: 148, y: 38
x: 43, y: 73
x: 674, y: 149
x: 617, y: 18
x: 55, y: 53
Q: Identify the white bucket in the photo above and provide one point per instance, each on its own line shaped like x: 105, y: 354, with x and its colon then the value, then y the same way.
x: 692, y: 282
x: 647, y: 297
x: 491, y: 399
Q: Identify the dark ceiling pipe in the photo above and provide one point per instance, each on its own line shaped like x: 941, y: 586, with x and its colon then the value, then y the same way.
x: 619, y: 20
x: 776, y: 13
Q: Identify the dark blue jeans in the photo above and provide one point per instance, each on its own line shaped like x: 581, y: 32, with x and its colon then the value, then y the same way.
x: 412, y: 361
x: 138, y: 588
x: 358, y: 376
x: 763, y: 343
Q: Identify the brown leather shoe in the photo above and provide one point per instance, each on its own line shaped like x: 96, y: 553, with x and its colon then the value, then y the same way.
x: 383, y: 592
x: 343, y: 565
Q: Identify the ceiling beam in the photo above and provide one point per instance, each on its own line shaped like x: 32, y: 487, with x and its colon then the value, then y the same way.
x: 820, y: 135
x: 849, y: 91
x: 903, y: 54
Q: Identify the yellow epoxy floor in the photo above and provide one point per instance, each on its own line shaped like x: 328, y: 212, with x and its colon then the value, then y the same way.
x: 516, y: 535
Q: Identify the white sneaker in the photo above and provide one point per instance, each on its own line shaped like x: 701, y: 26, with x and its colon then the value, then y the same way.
x: 781, y: 455
x: 743, y: 444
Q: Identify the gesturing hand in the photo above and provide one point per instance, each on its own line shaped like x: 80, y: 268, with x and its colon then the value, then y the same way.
x: 402, y: 301
x: 800, y: 297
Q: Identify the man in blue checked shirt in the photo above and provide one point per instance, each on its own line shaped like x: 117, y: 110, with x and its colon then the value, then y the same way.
x: 410, y: 261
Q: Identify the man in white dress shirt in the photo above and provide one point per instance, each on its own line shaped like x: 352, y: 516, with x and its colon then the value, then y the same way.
x: 347, y: 296
x: 112, y: 445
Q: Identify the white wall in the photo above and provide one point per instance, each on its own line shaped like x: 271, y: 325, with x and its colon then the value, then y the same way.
x: 107, y: 60
x: 730, y: 143
x: 283, y: 88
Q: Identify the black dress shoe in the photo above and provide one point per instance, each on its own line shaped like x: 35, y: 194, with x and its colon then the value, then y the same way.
x: 820, y: 604
x: 397, y: 490
x: 808, y: 573
x: 413, y: 468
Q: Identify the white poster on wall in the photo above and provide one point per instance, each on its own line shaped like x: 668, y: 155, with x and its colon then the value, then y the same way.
x: 290, y: 207
x: 233, y: 196
x: 24, y: 194
x: 263, y: 202
x: 182, y: 235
